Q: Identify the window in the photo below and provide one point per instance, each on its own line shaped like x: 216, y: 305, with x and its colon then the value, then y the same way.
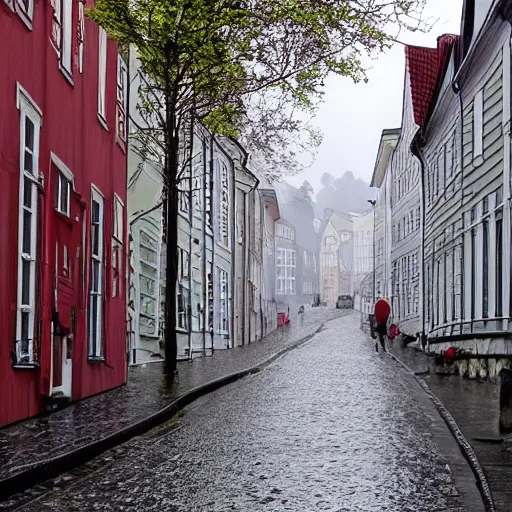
x: 56, y: 37
x: 67, y: 35
x: 208, y: 194
x: 81, y: 35
x: 96, y: 278
x: 30, y: 124
x: 499, y: 263
x: 441, y: 170
x: 457, y: 281
x: 223, y: 302
x: 102, y: 79
x: 485, y: 259
x: 478, y: 124
x: 473, y: 270
x: 314, y: 262
x: 285, y: 232
x: 148, y: 283
x: 224, y: 205
x: 117, y: 245
x: 183, y: 298
x: 118, y: 217
x: 398, y: 232
x: 286, y: 271
x: 63, y: 195
x: 183, y: 197
x: 305, y: 259
x: 418, y: 220
x: 25, y: 10
x: 121, y: 98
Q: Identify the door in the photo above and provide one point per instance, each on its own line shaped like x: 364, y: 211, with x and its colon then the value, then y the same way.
x: 68, y: 218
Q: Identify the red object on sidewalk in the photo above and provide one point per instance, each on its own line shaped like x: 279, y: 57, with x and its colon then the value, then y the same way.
x: 282, y: 319
x: 393, y: 332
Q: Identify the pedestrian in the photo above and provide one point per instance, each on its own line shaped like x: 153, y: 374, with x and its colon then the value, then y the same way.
x: 382, y: 312
x: 381, y: 330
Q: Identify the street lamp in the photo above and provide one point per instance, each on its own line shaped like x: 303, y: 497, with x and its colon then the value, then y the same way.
x: 373, y: 203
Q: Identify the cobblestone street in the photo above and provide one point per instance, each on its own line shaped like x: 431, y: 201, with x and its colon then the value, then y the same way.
x: 329, y: 426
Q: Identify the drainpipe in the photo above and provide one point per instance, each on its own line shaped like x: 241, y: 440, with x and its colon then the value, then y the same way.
x: 190, y: 238
x: 417, y: 151
x: 456, y: 88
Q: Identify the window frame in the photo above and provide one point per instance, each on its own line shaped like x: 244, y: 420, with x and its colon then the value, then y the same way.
x: 478, y: 124
x: 62, y: 179
x: 102, y: 75
x: 66, y: 46
x: 118, y: 223
x: 121, y: 99
x: 26, y: 15
x: 286, y: 260
x: 95, y: 346
x: 28, y: 110
x: 223, y: 319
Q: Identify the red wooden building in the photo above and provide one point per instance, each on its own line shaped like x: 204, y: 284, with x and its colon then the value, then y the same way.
x: 62, y: 215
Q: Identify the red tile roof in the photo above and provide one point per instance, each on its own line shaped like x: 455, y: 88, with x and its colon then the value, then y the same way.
x: 426, y: 67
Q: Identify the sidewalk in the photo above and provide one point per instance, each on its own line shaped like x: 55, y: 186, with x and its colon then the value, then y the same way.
x: 475, y: 407
x: 35, y: 441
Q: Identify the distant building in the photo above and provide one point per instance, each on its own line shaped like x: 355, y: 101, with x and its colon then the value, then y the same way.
x: 381, y: 180
x: 336, y: 256
x: 363, y: 227
x: 297, y: 265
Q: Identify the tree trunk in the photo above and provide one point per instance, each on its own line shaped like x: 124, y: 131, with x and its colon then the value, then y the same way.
x: 171, y: 273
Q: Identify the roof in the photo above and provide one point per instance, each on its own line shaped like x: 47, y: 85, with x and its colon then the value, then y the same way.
x: 388, y: 141
x: 426, y: 66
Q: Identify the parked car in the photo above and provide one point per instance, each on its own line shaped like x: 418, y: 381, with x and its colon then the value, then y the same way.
x: 344, y: 302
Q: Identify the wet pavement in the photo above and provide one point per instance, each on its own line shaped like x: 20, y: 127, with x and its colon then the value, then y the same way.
x: 329, y: 426
x: 41, y: 438
x: 475, y: 407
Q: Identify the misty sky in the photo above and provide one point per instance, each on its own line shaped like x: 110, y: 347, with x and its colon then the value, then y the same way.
x: 353, y: 116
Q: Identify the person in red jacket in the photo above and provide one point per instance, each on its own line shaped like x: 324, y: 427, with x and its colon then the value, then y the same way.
x: 382, y: 311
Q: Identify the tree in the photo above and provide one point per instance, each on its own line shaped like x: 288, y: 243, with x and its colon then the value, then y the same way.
x: 307, y: 191
x: 252, y: 70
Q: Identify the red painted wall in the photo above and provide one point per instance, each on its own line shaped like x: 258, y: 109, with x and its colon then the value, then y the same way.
x: 71, y: 130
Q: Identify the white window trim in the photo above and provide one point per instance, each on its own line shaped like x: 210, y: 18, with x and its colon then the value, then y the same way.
x: 118, y: 201
x: 66, y: 45
x: 478, y: 123
x: 81, y: 35
x: 64, y: 209
x: 26, y: 16
x: 122, y: 75
x: 96, y: 352
x: 222, y: 273
x: 66, y: 172
x: 28, y: 109
x: 102, y: 73
x: 290, y: 261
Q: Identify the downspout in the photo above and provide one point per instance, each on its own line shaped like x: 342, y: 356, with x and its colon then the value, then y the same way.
x: 456, y: 88
x: 211, y: 307
x: 190, y: 241
x: 417, y: 151
x: 203, y: 251
x: 233, y: 227
x: 126, y: 240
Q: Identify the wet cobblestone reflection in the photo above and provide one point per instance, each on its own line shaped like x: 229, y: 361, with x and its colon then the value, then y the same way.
x: 330, y: 426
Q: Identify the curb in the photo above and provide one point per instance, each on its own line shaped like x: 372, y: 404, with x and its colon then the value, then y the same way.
x: 36, y: 473
x: 465, y: 447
